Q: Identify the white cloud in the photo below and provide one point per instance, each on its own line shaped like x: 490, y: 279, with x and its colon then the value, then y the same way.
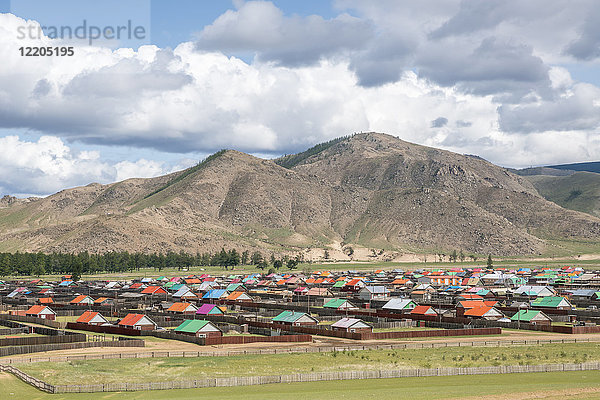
x: 49, y: 165
x: 185, y: 100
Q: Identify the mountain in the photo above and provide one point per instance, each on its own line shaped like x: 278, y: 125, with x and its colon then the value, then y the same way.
x: 575, y: 189
x: 585, y: 166
x: 367, y: 191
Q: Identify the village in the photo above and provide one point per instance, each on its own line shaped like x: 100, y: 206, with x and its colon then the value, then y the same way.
x: 322, y: 311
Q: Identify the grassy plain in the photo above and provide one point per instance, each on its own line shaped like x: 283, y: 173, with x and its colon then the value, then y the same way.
x: 167, y: 369
x: 549, y: 386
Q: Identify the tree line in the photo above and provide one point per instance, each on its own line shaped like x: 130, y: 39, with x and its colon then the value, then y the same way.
x: 37, y: 264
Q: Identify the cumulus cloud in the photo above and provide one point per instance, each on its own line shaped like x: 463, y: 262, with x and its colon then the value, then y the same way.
x: 48, y: 165
x: 579, y: 109
x: 495, y: 88
x: 260, y: 27
x: 587, y: 45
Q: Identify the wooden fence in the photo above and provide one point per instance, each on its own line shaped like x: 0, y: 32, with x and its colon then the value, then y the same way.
x: 14, y: 350
x: 37, y: 340
x: 39, y: 384
x: 321, y: 349
x: 308, y: 377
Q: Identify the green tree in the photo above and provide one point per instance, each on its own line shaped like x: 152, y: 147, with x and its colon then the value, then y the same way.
x: 245, y: 257
x: 453, y: 256
x: 490, y: 262
x: 461, y: 256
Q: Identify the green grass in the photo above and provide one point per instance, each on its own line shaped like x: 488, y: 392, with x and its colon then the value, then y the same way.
x: 579, y: 191
x: 406, y: 388
x: 167, y: 369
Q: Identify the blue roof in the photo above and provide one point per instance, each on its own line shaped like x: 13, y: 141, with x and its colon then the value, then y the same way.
x: 214, y: 294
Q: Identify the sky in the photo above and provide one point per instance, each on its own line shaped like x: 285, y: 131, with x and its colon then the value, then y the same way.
x: 517, y: 83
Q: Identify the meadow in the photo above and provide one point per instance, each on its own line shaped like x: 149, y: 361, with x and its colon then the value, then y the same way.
x: 549, y: 386
x: 168, y: 369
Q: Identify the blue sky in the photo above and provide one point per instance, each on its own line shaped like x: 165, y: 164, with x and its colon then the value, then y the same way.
x: 517, y: 83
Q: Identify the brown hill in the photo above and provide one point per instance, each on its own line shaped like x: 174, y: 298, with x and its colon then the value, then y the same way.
x: 368, y: 191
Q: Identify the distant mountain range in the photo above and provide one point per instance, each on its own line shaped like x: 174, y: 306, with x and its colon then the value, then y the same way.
x: 367, y: 191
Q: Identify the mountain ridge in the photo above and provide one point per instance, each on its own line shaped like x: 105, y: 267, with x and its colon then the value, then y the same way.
x: 368, y: 190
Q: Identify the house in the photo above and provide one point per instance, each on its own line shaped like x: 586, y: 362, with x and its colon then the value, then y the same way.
x: 340, y: 304
x: 152, y: 290
x: 423, y: 310
x: 295, y: 318
x: 105, y: 301
x: 198, y: 328
x: 351, y: 325
x: 399, y: 305
x: 555, y: 302
x: 82, y: 300
x: 210, y: 309
x: 369, y: 293
x: 215, y: 294
x: 534, y: 291
x: 535, y: 317
x: 239, y: 296
x: 484, y: 312
x: 319, y: 292
x: 41, y: 311
x: 183, y: 308
x: 46, y: 300
x: 137, y: 321
x: 92, y: 318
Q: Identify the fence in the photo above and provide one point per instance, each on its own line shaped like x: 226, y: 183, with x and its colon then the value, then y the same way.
x: 37, y: 340
x: 34, y: 320
x: 9, y: 351
x: 323, y: 349
x: 318, y: 376
x: 28, y: 379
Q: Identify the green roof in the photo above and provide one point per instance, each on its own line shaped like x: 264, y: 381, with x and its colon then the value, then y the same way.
x: 191, y: 325
x: 288, y: 316
x: 548, y: 301
x: 525, y: 315
x: 339, y: 284
x: 334, y: 303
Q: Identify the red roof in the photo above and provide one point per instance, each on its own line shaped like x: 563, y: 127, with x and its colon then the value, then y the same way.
x: 131, y: 319
x: 477, y: 311
x: 421, y: 310
x: 154, y: 290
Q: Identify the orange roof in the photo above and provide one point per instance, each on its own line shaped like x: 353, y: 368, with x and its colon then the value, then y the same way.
x: 78, y: 299
x: 131, y: 319
x: 153, y: 289
x: 234, y: 295
x: 46, y: 300
x: 471, y: 296
x: 192, y: 281
x: 36, y: 309
x: 100, y: 300
x: 420, y: 310
x: 472, y: 303
x: 477, y: 311
x: 86, y: 317
x: 399, y: 281
x: 179, y: 307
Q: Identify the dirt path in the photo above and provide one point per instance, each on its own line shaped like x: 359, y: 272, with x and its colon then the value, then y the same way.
x: 546, y: 394
x: 322, y: 342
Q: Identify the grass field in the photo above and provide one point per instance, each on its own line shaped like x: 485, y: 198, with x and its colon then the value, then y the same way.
x: 167, y: 369
x: 549, y: 386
